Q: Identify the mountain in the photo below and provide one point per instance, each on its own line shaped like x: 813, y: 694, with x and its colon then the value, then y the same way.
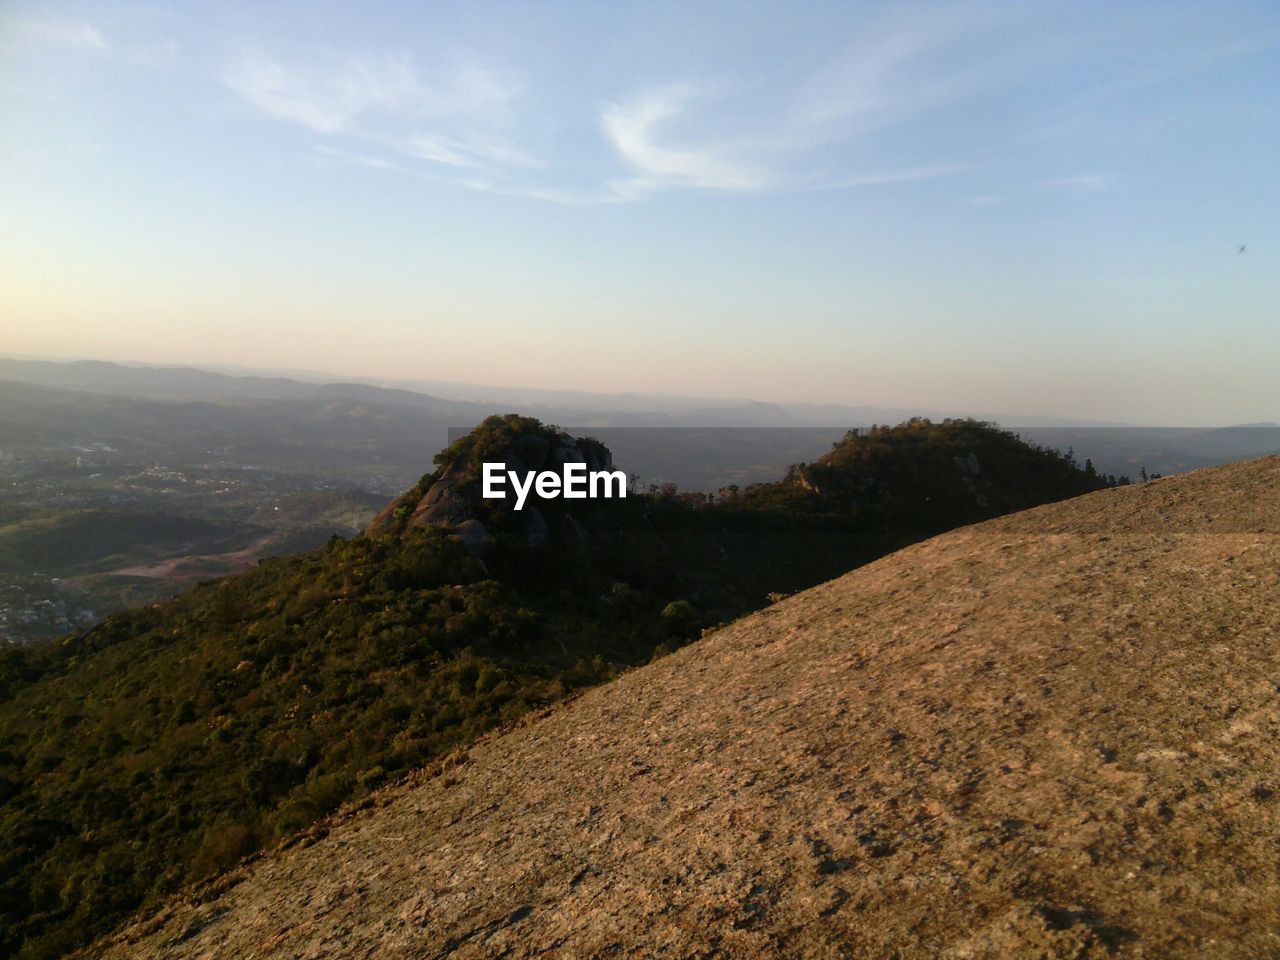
x: 161, y: 746
x: 563, y: 406
x: 190, y: 384
x: 661, y: 437
x: 1051, y: 735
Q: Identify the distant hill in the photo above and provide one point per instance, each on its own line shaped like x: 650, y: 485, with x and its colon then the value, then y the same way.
x: 314, y: 415
x: 930, y: 476
x: 163, y: 745
x: 324, y: 433
x: 564, y: 406
x: 1051, y: 735
x: 193, y: 384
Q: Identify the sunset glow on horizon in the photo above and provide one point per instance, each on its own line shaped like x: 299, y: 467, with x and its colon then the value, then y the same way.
x: 1033, y: 208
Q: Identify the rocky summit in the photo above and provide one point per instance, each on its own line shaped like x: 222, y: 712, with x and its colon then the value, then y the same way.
x: 1048, y: 735
x: 450, y: 497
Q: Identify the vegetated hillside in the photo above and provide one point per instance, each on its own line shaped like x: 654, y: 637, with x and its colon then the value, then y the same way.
x: 930, y: 476
x: 1052, y: 735
x: 165, y: 744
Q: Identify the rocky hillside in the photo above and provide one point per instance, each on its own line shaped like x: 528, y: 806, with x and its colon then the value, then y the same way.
x: 450, y: 496
x: 161, y: 746
x: 1049, y: 735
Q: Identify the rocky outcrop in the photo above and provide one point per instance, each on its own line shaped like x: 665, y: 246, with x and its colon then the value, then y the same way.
x: 450, y: 497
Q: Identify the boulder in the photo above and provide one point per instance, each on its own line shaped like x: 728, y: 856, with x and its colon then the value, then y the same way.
x: 452, y: 500
x: 442, y: 504
x: 474, y: 536
x: 536, y: 530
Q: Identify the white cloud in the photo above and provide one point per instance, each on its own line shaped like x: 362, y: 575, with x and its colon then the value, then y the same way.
x: 60, y: 31
x: 479, y: 128
x: 1080, y: 183
x: 324, y: 103
x: 878, y: 79
x: 335, y: 97
x: 456, y: 119
x: 796, y: 135
x: 635, y: 131
x: 437, y: 151
x: 54, y: 34
x: 356, y: 159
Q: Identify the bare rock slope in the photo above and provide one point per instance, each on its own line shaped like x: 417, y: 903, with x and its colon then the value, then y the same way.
x: 1051, y: 735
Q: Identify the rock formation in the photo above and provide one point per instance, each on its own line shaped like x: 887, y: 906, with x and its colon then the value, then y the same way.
x: 450, y: 496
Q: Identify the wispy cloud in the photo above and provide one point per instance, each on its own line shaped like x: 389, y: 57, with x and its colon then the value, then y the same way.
x: 470, y: 181
x: 883, y: 77
x: 1080, y: 183
x: 356, y: 159
x: 635, y: 129
x: 471, y: 124
x: 56, y: 30
x: 338, y: 97
x: 800, y: 136
x: 54, y: 35
x: 457, y: 118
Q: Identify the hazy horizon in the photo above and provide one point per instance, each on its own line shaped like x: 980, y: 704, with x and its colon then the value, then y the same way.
x: 1033, y: 209
x: 540, y: 400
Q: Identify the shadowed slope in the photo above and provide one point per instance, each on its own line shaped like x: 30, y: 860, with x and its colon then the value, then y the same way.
x: 1051, y: 735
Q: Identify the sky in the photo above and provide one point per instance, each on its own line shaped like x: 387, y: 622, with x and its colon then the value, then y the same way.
x: 1034, y: 207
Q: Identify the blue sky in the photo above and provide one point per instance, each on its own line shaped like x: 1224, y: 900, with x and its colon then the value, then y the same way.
x: 1030, y: 207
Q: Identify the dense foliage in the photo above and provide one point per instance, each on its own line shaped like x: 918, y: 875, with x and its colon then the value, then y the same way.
x: 163, y: 745
x: 926, y: 476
